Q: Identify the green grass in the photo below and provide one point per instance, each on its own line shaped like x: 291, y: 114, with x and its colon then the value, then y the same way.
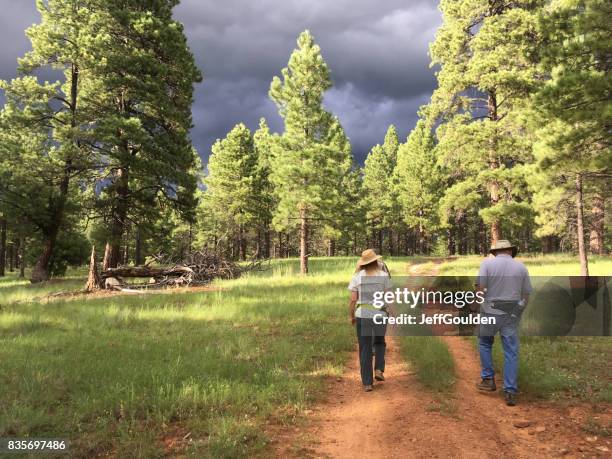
x: 556, y: 368
x: 434, y: 366
x: 14, y: 289
x: 564, y: 368
x: 432, y: 361
x: 538, y: 265
x: 121, y: 374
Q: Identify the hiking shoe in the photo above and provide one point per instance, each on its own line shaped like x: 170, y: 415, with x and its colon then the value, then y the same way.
x: 487, y: 385
x: 510, y: 398
x: 368, y: 388
x: 378, y: 375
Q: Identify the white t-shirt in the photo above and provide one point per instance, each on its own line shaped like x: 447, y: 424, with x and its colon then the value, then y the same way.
x: 365, y: 285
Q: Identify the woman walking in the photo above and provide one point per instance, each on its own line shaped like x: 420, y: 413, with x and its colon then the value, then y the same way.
x: 370, y: 276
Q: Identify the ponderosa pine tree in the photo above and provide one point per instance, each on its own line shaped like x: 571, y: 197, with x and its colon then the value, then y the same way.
x: 264, y: 193
x: 146, y: 73
x: 486, y: 75
x: 53, y: 119
x: 306, y: 170
x: 231, y: 195
x: 354, y: 223
x: 378, y: 187
x: 574, y: 153
x: 419, y: 182
x: 342, y: 213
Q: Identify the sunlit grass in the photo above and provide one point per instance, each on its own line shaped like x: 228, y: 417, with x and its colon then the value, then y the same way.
x: 15, y: 289
x: 563, y: 368
x: 538, y: 265
x: 121, y: 374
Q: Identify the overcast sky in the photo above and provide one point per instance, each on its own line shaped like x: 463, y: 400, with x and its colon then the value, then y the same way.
x: 377, y: 52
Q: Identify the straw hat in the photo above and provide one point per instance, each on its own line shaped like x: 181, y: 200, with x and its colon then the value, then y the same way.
x: 503, y: 244
x: 367, y: 256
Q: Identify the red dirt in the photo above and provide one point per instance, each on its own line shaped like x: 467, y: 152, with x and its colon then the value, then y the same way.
x: 401, y: 419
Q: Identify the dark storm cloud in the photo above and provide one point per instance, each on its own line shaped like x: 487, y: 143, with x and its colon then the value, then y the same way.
x: 15, y: 16
x: 376, y: 50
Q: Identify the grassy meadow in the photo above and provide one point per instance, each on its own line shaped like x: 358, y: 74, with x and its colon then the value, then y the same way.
x: 538, y: 265
x: 130, y: 374
x: 203, y: 372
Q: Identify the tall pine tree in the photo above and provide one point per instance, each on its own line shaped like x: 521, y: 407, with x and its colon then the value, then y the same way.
x: 231, y: 196
x: 379, y: 191
x: 573, y: 111
x: 419, y: 183
x: 50, y: 124
x: 147, y: 73
x: 485, y: 77
x: 306, y: 169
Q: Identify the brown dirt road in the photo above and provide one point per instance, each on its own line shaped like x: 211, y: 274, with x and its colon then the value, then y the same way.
x: 401, y: 419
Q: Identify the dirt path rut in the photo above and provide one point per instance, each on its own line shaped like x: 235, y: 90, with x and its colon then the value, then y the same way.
x: 401, y: 419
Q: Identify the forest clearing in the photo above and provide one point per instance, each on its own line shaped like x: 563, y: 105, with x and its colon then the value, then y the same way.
x: 207, y: 209
x: 253, y: 366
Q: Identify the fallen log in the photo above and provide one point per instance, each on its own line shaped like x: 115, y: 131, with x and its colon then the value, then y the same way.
x: 194, y: 269
x: 145, y: 271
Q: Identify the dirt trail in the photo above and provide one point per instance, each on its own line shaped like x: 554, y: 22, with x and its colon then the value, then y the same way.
x: 401, y: 419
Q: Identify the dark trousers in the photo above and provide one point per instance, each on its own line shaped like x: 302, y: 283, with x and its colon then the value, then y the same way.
x: 370, y: 334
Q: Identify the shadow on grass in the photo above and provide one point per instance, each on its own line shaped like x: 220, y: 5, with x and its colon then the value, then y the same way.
x: 103, y: 371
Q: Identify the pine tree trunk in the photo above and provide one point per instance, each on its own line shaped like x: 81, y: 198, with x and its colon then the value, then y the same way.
x: 2, y: 245
x: 482, y: 231
x: 107, y: 257
x: 138, y: 248
x: 391, y: 245
x: 421, y: 239
x: 450, y: 247
x: 10, y: 256
x: 16, y: 252
x: 126, y: 249
x: 596, y: 240
x: 22, y: 250
x: 398, y: 242
x: 493, y: 164
x: 267, y: 243
x: 120, y: 209
x: 241, y: 243
x: 584, y: 263
x: 303, y: 240
x: 331, y: 248
x: 380, y: 241
x: 40, y: 272
x: 93, y: 279
x: 495, y: 232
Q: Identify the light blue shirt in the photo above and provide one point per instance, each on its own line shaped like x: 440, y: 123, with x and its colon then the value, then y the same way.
x: 504, y: 279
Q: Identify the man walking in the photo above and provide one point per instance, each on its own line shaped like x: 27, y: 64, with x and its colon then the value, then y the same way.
x: 506, y: 284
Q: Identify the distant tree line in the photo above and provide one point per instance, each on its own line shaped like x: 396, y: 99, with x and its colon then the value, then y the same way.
x: 513, y: 144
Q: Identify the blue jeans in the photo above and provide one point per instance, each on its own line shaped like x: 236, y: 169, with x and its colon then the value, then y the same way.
x: 507, y: 327
x: 370, y: 334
